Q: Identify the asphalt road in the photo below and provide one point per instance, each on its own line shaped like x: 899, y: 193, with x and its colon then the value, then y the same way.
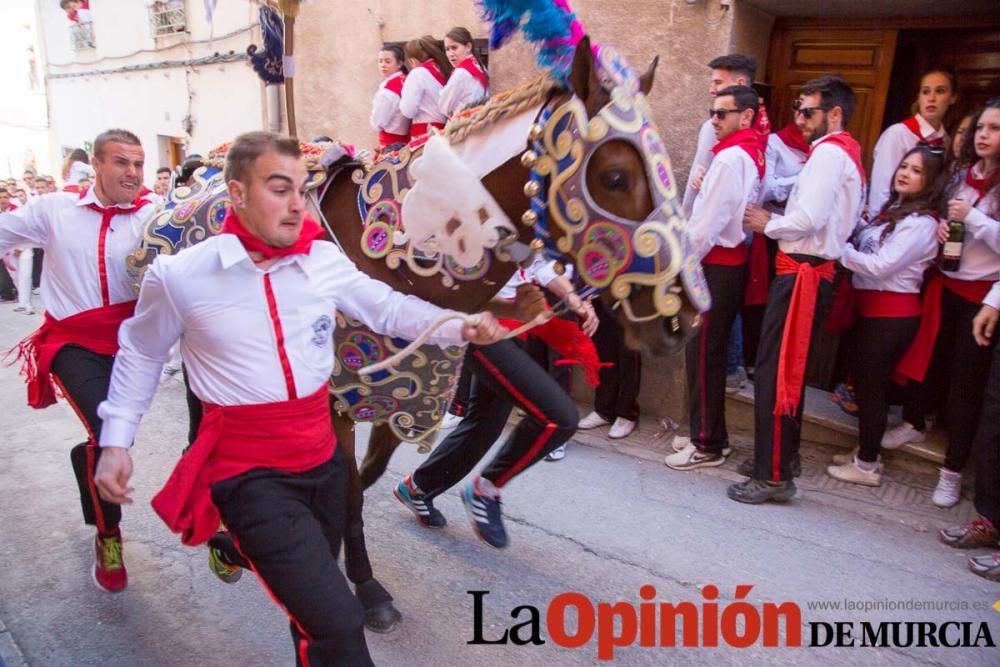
x: 600, y: 523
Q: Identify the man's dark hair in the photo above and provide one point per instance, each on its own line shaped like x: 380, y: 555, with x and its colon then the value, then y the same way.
x: 738, y: 63
x: 744, y: 97
x: 833, y: 92
x: 64, y: 3
x: 250, y: 146
x: 117, y: 136
x: 163, y: 170
x: 3, y: 191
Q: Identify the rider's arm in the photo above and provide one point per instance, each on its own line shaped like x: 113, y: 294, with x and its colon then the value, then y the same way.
x: 27, y: 226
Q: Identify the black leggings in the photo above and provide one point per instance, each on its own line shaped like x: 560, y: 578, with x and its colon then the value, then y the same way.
x: 618, y: 393
x: 84, y: 377
x: 503, y: 376
x: 987, y: 448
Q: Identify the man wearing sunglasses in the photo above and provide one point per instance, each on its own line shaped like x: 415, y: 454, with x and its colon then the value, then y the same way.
x: 822, y: 209
x: 716, y: 236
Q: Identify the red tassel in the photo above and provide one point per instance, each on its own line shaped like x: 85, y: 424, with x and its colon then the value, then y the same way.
x: 569, y: 341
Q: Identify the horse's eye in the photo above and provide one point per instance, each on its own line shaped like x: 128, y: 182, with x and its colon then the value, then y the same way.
x: 615, y: 180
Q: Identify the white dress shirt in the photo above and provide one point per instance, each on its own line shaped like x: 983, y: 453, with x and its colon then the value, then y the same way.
x: 385, y: 110
x: 889, y: 151
x: 824, y: 205
x: 898, y: 264
x: 213, y: 298
x: 461, y: 90
x: 69, y: 232
x: 702, y: 158
x: 981, y: 250
x: 421, y: 94
x: 541, y: 271
x: 993, y: 298
x: 731, y: 183
x: 783, y: 166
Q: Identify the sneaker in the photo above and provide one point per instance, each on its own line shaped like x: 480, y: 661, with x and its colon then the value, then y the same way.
x: 682, y: 442
x: 852, y: 473
x: 221, y: 552
x: 757, y: 491
x: 451, y: 421
x: 109, y: 565
x: 484, y: 515
x: 171, y: 370
x: 987, y: 566
x: 949, y: 489
x: 421, y: 506
x: 736, y: 381
x: 978, y: 533
x: 593, y: 420
x: 20, y: 309
x: 692, y: 458
x: 843, y: 397
x: 557, y: 454
x: 901, y: 434
x: 746, y: 468
x: 621, y: 428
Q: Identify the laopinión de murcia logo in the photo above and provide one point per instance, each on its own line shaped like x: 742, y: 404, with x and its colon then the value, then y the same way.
x: 572, y: 620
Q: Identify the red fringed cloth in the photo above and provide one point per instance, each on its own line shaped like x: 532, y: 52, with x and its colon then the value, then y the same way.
x: 291, y: 436
x: 569, y: 341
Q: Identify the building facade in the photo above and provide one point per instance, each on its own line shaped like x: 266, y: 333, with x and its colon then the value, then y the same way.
x: 24, y: 121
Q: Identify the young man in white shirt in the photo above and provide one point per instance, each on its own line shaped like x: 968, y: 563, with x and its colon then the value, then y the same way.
x: 822, y: 210
x: 87, y: 293
x: 716, y: 236
x: 254, y: 311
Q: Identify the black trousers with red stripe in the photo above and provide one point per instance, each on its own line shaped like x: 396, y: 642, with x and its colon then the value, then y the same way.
x: 84, y: 377
x: 879, y: 344
x: 706, y: 356
x: 776, y: 439
x: 618, y: 393
x: 290, y: 528
x: 503, y: 376
x: 965, y: 366
x: 987, y: 447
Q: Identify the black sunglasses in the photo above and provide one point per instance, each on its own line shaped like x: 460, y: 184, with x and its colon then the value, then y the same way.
x: 721, y: 113
x: 806, y: 112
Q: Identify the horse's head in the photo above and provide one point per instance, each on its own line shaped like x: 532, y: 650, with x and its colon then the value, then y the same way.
x: 603, y: 196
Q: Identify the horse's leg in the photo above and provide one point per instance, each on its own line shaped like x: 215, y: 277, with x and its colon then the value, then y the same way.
x: 381, y: 445
x: 380, y: 614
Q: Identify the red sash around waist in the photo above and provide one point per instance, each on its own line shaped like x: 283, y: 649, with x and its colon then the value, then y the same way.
x: 95, y: 330
x: 388, y: 138
x: 760, y: 279
x: 798, y: 329
x: 876, y: 303
x: 722, y: 256
x: 292, y: 436
x: 420, y: 129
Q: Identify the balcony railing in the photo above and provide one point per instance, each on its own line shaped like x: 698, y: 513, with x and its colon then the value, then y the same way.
x: 167, y: 17
x: 81, y: 36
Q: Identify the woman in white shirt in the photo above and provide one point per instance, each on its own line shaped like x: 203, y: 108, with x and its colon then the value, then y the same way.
x: 386, y: 119
x: 888, y: 257
x: 938, y: 91
x: 470, y: 82
x: 429, y: 71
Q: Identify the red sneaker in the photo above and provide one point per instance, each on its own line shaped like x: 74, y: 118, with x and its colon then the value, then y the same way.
x: 109, y: 565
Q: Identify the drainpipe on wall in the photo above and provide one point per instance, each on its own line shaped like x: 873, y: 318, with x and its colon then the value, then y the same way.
x: 273, y: 108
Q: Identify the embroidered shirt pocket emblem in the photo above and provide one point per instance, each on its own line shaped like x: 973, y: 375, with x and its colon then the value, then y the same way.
x: 322, y: 328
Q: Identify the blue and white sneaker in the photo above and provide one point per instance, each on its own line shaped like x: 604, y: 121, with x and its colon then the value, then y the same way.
x: 422, y: 507
x: 484, y: 515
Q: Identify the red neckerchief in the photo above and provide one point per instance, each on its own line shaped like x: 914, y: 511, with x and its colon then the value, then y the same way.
x: 394, y: 84
x: 106, y: 215
x: 471, y: 65
x: 792, y: 137
x: 749, y: 141
x: 75, y: 189
x: 849, y: 145
x: 433, y: 68
x: 310, y: 232
x: 762, y: 125
x: 913, y: 125
x: 981, y: 185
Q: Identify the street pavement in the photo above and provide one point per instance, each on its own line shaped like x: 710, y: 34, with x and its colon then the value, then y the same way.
x: 604, y: 522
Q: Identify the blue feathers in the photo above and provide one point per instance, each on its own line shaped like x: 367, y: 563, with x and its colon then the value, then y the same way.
x: 550, y: 25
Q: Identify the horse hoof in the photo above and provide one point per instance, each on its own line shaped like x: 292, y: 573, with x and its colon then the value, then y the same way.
x: 382, y: 618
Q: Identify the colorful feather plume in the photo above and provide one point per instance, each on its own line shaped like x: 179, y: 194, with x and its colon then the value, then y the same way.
x: 550, y: 25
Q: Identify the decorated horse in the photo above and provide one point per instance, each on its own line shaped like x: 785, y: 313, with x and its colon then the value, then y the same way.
x: 571, y: 165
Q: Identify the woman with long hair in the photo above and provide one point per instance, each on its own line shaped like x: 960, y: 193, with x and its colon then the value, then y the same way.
x: 938, y: 91
x: 76, y: 155
x: 470, y: 82
x: 889, y: 256
x: 973, y: 199
x: 386, y: 118
x: 429, y: 71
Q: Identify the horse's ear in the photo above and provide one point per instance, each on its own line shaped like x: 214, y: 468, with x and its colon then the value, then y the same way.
x: 583, y: 77
x: 646, y: 80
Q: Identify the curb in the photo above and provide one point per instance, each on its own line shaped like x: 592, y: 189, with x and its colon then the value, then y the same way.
x: 10, y: 652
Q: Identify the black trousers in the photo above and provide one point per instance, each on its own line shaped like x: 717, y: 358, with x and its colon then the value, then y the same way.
x: 463, y: 391
x: 706, y: 356
x: 965, y: 367
x: 84, y: 377
x: 7, y: 289
x: 36, y: 268
x: 290, y: 527
x: 879, y: 344
x: 618, y: 393
x: 987, y: 447
x: 503, y: 376
x: 776, y: 439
